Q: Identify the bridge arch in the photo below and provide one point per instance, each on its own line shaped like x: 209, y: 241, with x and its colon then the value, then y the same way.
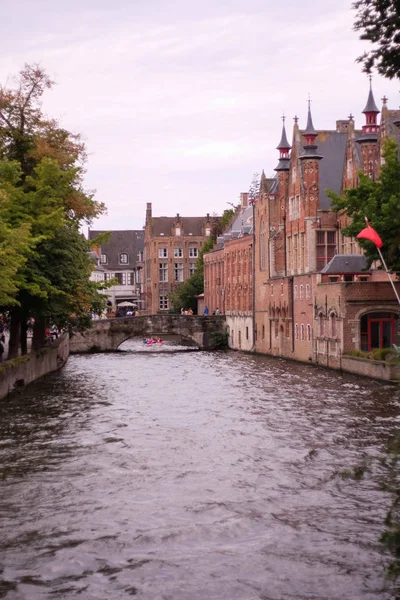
x: 108, y: 334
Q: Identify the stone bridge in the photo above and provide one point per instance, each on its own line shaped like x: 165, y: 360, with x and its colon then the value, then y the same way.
x: 106, y: 335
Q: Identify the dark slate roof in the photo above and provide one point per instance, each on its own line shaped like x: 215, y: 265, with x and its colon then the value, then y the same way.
x: 130, y: 242
x: 346, y: 263
x: 283, y: 144
x: 332, y: 146
x: 193, y: 225
x: 371, y: 106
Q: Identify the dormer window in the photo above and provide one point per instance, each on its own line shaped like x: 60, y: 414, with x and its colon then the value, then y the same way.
x: 208, y: 230
x: 177, y: 231
x: 123, y: 258
x: 103, y: 259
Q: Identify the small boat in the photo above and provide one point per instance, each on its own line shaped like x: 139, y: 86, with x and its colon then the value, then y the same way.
x: 152, y: 341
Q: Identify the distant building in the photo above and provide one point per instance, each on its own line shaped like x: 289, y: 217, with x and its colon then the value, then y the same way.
x: 121, y: 258
x: 228, y: 274
x: 171, y: 249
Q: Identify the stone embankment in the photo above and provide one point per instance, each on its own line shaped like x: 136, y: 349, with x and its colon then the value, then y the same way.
x: 20, y: 371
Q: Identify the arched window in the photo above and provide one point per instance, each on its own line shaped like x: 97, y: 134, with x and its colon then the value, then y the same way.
x: 379, y: 330
x: 123, y: 258
x: 302, y: 331
x: 321, y: 324
x: 262, y: 246
x: 296, y: 328
x: 333, y: 325
x: 307, y: 292
x: 295, y: 292
x: 308, y: 333
x: 301, y: 292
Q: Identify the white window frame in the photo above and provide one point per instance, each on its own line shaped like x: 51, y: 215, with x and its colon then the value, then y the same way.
x: 192, y: 268
x: 122, y: 257
x: 177, y: 231
x: 193, y: 252
x: 178, y: 252
x: 103, y: 259
x: 163, y: 302
x: 178, y: 272
x: 163, y: 253
x: 163, y: 272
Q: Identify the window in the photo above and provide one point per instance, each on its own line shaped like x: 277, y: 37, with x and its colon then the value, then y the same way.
x: 103, y: 259
x: 296, y: 328
x: 363, y: 278
x: 123, y: 258
x: 208, y: 230
x: 130, y: 279
x: 295, y: 255
x: 247, y: 333
x: 193, y: 252
x: 281, y: 289
x: 192, y: 268
x: 295, y: 292
x: 263, y: 332
x: 301, y: 292
x: 333, y: 325
x: 163, y: 253
x: 326, y: 247
x: 177, y: 231
x: 163, y: 272
x: 379, y: 330
x: 178, y: 272
x: 302, y: 331
x: 121, y: 278
x: 262, y: 246
x: 321, y: 324
x: 107, y: 276
x: 163, y: 303
x: 178, y: 252
x: 309, y: 333
x: 272, y: 289
x: 308, y: 295
x: 348, y: 278
x: 334, y: 279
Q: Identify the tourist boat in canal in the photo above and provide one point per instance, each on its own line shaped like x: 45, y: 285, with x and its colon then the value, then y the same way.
x: 153, y: 341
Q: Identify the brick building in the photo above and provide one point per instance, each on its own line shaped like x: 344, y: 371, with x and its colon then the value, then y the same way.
x: 313, y: 300
x: 228, y: 275
x: 171, y: 250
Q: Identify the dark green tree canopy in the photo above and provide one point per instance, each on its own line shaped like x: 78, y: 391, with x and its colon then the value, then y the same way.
x: 379, y: 202
x: 379, y: 23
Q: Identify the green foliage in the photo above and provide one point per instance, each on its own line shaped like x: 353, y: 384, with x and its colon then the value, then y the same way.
x: 379, y: 201
x: 219, y: 340
x: 384, y: 354
x: 379, y: 23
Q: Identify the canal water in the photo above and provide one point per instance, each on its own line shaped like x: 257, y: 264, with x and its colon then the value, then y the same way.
x: 190, y: 476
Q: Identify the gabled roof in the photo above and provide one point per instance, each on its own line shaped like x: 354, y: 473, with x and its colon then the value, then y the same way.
x: 130, y: 242
x: 193, y: 225
x: 332, y: 146
x: 346, y: 263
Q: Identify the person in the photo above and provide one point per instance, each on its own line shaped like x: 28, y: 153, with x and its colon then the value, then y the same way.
x: 1, y: 351
x: 205, y: 311
x: 182, y: 311
x: 217, y: 311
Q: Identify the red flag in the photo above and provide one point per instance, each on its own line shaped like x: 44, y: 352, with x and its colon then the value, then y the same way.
x: 370, y: 234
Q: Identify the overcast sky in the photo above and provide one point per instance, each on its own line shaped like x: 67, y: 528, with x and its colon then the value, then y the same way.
x: 179, y: 102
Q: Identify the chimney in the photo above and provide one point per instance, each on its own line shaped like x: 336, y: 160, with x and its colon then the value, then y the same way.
x: 244, y: 199
x: 342, y: 125
x: 208, y: 217
x: 148, y: 211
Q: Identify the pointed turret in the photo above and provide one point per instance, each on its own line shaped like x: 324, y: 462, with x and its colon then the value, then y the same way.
x: 310, y: 135
x: 284, y: 148
x: 371, y: 128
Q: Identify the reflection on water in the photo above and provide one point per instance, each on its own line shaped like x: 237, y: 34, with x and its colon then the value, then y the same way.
x: 191, y: 475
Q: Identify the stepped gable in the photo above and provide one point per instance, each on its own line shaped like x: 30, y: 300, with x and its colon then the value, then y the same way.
x: 129, y: 241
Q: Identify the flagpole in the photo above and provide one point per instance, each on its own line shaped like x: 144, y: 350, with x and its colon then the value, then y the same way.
x: 386, y: 269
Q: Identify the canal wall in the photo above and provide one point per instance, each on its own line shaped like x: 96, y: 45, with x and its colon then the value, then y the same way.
x: 20, y: 371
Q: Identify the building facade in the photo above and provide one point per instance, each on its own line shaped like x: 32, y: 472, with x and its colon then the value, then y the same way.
x: 171, y: 249
x: 121, y: 258
x: 313, y: 300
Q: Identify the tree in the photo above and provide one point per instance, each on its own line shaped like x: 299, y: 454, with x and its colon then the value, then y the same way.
x: 379, y: 22
x: 379, y: 201
x: 42, y: 168
x: 254, y: 189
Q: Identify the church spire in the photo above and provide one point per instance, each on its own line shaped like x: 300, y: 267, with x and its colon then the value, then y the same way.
x: 283, y: 148
x: 371, y: 112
